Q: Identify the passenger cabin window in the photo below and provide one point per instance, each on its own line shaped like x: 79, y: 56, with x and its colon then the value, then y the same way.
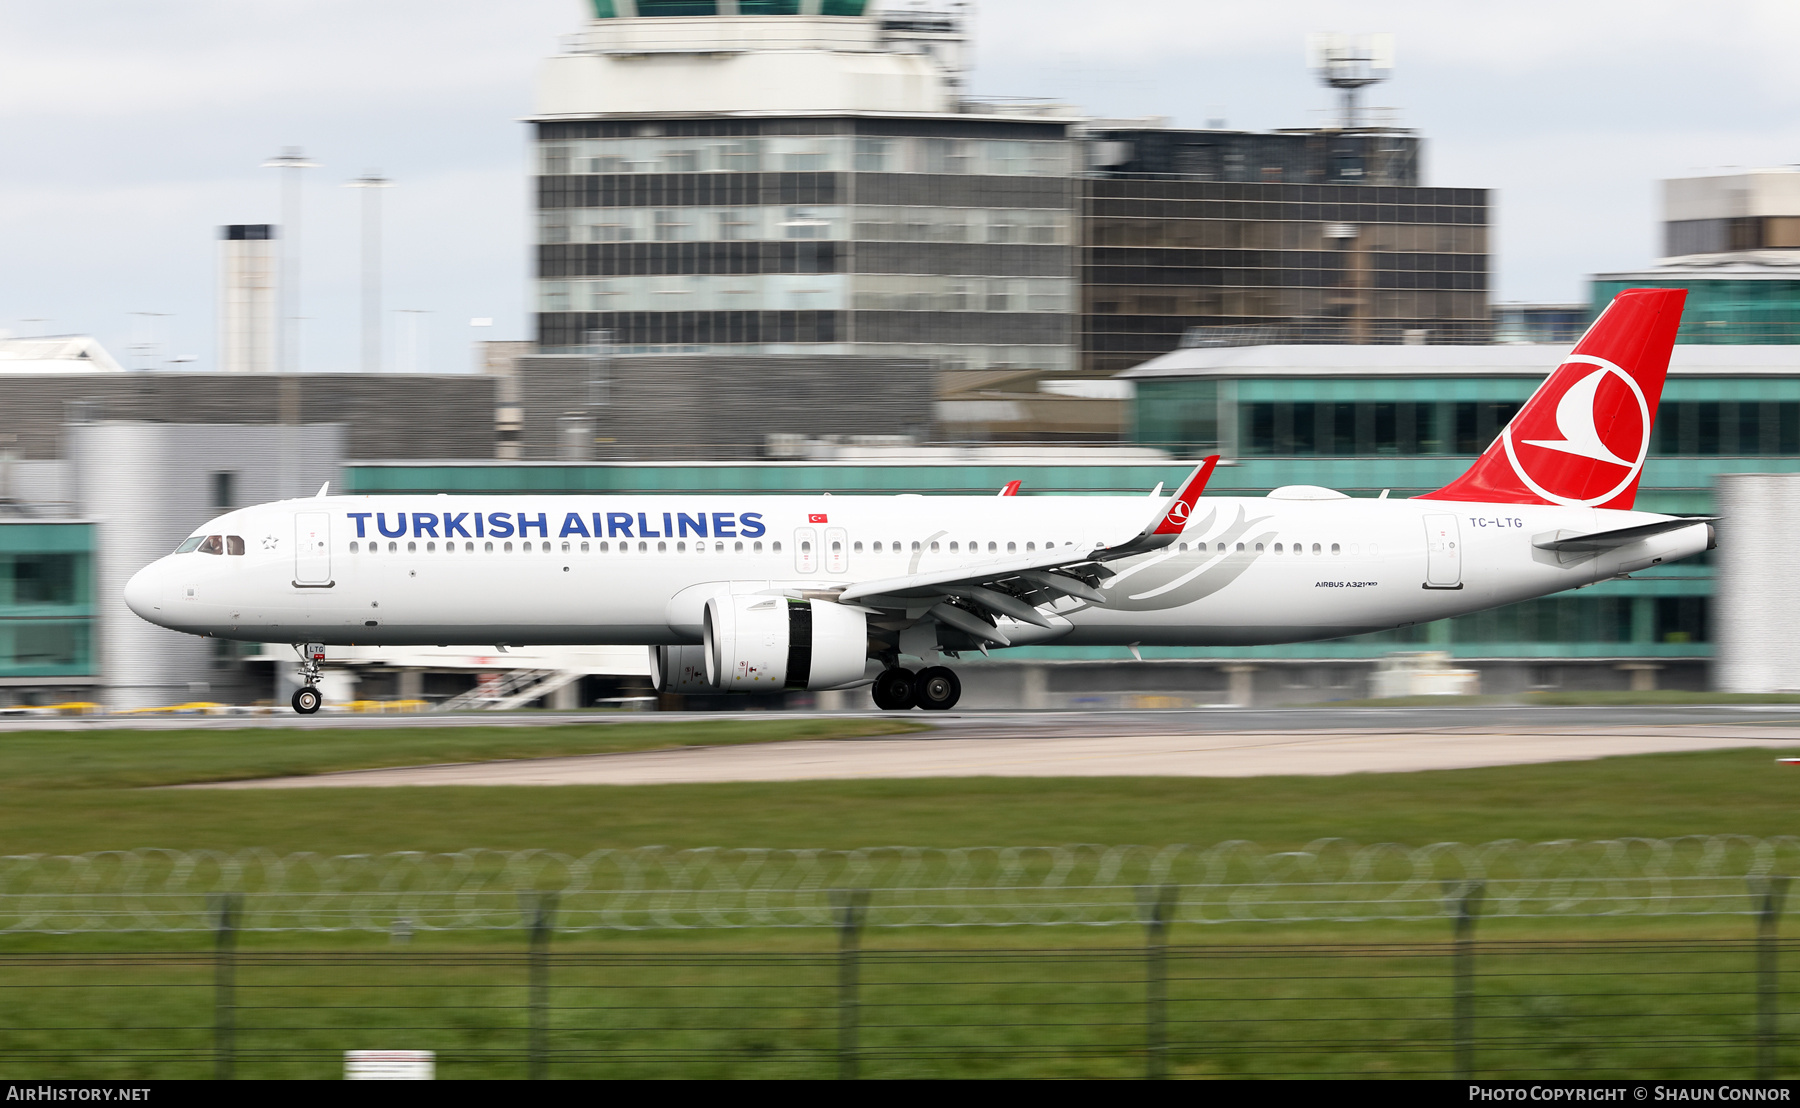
x: 214, y: 544
x: 234, y: 544
x: 190, y: 544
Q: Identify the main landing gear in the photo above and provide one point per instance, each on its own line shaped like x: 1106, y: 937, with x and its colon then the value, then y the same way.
x: 935, y: 689
x: 307, y: 698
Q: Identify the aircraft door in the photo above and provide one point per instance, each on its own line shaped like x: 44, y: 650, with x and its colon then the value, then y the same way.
x: 1443, y: 552
x: 806, y: 549
x: 312, y: 549
x: 837, y: 550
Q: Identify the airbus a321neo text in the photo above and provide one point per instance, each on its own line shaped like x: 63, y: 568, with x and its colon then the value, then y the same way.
x: 756, y: 594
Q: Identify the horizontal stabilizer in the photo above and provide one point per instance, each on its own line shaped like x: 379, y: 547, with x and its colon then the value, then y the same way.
x: 1564, y: 543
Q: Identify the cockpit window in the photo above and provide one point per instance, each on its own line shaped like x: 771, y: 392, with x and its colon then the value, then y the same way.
x: 192, y: 541
x: 234, y: 544
x: 214, y: 544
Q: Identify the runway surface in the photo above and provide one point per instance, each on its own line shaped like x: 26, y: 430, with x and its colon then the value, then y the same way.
x: 1307, y: 742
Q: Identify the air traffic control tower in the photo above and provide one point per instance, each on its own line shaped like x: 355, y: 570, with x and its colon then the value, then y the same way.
x: 798, y: 177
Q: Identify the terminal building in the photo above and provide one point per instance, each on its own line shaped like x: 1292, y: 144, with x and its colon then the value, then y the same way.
x: 798, y: 178
x: 1733, y: 241
x: 787, y: 178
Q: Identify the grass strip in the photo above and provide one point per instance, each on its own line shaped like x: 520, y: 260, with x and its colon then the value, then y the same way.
x: 114, y: 759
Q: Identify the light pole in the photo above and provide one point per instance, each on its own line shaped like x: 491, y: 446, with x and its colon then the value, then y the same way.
x: 414, y: 318
x: 146, y: 342
x: 291, y: 162
x: 370, y: 182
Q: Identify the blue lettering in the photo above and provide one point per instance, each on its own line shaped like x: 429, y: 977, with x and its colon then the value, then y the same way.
x: 478, y: 533
x: 749, y: 520
x: 724, y: 525
x: 453, y: 525
x: 359, y: 517
x: 381, y: 522
x: 599, y: 529
x: 668, y: 525
x: 644, y: 531
x: 500, y: 524
x: 617, y: 524
x: 687, y: 521
x: 525, y: 525
x: 425, y: 525
x: 572, y: 525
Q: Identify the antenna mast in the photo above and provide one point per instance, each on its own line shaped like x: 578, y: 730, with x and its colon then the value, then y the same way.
x: 1350, y: 63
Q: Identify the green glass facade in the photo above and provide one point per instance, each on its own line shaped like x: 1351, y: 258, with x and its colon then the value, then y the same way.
x: 1722, y: 311
x: 46, y: 600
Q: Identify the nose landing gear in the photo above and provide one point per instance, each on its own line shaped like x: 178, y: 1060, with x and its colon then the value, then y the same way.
x: 307, y: 698
x: 935, y: 689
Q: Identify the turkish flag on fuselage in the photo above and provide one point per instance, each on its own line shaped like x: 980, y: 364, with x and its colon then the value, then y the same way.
x: 1583, y: 436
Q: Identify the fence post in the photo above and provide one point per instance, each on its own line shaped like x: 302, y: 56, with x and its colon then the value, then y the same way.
x: 225, y: 912
x: 1769, y: 894
x: 1464, y: 903
x: 1159, y: 909
x: 542, y: 910
x: 850, y: 907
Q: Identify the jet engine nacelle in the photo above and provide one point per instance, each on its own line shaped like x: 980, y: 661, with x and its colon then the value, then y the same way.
x: 679, y: 669
x: 770, y: 643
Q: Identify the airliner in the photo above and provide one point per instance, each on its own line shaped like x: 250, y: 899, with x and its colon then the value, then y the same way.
x: 759, y: 594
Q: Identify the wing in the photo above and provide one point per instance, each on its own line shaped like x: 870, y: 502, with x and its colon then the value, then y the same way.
x: 971, y: 597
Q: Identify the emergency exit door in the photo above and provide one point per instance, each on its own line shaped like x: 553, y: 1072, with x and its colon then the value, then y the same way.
x: 1443, y: 552
x: 312, y: 549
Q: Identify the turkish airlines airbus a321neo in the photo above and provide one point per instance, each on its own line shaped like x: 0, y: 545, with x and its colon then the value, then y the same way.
x: 763, y: 593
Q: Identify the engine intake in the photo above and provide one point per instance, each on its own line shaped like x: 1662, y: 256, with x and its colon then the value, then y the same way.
x: 768, y: 643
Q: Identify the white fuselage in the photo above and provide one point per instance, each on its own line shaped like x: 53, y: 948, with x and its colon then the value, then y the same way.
x: 390, y: 570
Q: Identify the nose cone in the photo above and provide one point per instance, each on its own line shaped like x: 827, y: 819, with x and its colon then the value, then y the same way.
x: 143, y: 593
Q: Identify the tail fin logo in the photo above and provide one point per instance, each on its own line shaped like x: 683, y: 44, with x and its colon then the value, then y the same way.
x: 1591, y: 420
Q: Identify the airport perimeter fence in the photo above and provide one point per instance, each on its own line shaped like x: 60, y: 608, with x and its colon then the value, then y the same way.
x: 657, y: 889
x: 616, y: 969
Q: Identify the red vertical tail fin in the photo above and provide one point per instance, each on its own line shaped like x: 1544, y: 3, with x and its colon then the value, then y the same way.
x: 1583, y: 436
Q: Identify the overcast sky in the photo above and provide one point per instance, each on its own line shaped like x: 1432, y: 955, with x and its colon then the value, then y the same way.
x: 131, y: 132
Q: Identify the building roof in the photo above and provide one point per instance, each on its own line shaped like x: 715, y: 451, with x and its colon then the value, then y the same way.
x: 57, y: 354
x: 1502, y: 360
x: 1736, y: 265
